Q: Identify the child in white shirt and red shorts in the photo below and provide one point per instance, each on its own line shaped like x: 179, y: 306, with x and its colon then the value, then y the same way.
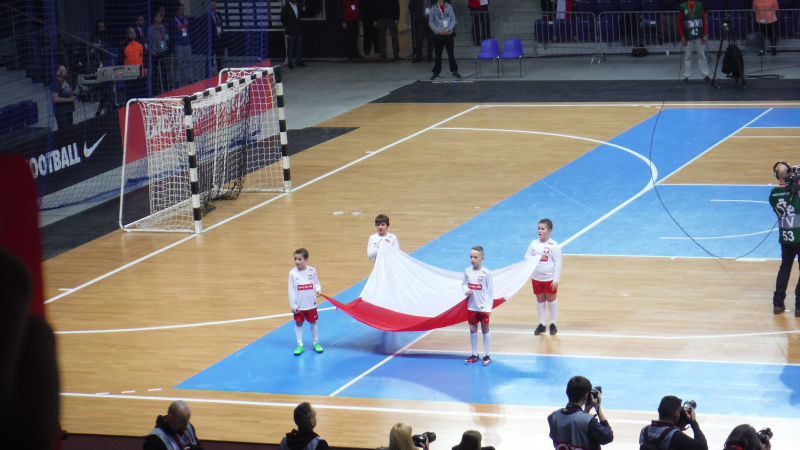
x: 477, y: 285
x: 546, y: 275
x: 304, y: 288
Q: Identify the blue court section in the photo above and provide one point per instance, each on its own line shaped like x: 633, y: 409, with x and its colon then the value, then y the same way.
x: 779, y: 118
x: 574, y: 197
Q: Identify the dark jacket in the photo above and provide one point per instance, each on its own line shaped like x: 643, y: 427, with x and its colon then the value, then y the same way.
x: 385, y: 9
x: 297, y: 440
x: 417, y: 7
x: 682, y: 441
x: 597, y: 433
x: 291, y: 22
x: 153, y: 442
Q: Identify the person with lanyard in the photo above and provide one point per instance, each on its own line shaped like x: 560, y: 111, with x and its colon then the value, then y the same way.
x: 351, y: 20
x: 217, y: 36
x: 183, y: 48
x: 63, y: 98
x: 159, y: 39
x: 442, y: 21
x: 173, y: 431
x: 767, y: 20
x: 694, y: 33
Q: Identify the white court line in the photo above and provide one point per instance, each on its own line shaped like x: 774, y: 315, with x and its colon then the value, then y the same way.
x: 639, y: 336
x: 431, y: 412
x: 741, y: 201
x: 718, y: 237
x: 723, y: 185
x: 175, y: 244
x: 769, y: 137
x: 645, y: 104
x: 187, y: 325
x: 631, y: 358
x: 379, y: 364
x: 662, y: 256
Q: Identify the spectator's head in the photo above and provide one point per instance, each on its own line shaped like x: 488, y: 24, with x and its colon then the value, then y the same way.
x: 305, y: 417
x: 179, y: 12
x: 178, y: 416
x: 61, y: 72
x: 100, y: 26
x: 743, y: 436
x: 139, y: 21
x: 669, y: 410
x: 157, y: 19
x: 470, y: 440
x: 162, y: 11
x: 400, y: 437
x: 131, y: 34
x: 213, y: 6
x: 578, y: 388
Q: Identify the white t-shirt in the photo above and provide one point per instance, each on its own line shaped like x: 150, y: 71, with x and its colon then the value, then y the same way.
x: 303, y: 288
x: 375, y: 241
x: 549, y: 267
x: 480, y: 282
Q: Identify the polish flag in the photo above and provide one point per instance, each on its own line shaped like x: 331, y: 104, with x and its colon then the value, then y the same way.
x: 403, y: 294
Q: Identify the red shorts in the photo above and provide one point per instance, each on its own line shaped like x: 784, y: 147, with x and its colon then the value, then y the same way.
x: 476, y: 316
x: 309, y: 314
x: 543, y: 287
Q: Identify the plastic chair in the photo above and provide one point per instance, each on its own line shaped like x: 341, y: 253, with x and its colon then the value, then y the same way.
x: 512, y: 49
x: 490, y: 49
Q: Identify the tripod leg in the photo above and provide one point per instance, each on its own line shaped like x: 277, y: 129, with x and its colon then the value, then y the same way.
x: 716, y: 63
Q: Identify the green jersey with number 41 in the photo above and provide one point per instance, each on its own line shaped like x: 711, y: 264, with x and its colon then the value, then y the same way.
x: 788, y: 211
x: 692, y: 20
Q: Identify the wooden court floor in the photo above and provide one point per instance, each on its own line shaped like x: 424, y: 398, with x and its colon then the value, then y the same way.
x: 117, y: 382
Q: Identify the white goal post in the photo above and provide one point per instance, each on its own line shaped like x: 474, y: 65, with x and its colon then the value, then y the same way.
x: 205, y: 147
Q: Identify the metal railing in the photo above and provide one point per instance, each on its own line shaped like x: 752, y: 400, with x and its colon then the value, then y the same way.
x: 622, y: 31
x: 574, y: 34
x: 744, y: 22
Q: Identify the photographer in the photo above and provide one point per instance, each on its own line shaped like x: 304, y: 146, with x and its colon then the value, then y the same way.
x: 786, y: 204
x: 745, y: 437
x: 173, y: 431
x: 573, y: 427
x: 665, y: 433
x: 400, y: 438
x: 304, y: 437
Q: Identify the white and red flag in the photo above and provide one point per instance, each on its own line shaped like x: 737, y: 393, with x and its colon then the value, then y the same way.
x: 403, y: 294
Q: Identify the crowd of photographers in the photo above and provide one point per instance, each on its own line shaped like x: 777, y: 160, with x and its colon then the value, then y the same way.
x: 573, y: 427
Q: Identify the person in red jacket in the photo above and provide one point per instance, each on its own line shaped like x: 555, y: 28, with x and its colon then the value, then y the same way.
x: 765, y: 16
x: 481, y: 23
x: 351, y: 20
x: 132, y: 53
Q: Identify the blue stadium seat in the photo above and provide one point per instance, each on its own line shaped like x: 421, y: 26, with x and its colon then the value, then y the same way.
x: 787, y: 24
x: 16, y: 116
x: 787, y: 4
x: 651, y: 5
x: 740, y: 4
x: 585, y: 28
x: 716, y: 5
x: 608, y: 5
x: 591, y: 6
x: 543, y: 31
x: 5, y: 120
x: 609, y: 28
x: 564, y: 30
x: 31, y: 112
x: 630, y: 5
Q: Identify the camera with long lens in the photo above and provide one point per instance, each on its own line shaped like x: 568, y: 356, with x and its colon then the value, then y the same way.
x: 793, y: 180
x: 595, y: 391
x: 765, y: 435
x: 727, y: 22
x: 419, y: 438
x: 686, y: 413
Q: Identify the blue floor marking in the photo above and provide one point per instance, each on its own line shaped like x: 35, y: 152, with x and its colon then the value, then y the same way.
x: 573, y: 197
x: 779, y: 117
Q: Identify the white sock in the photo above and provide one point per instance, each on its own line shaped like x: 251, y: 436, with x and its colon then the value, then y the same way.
x: 487, y: 342
x: 298, y: 332
x: 473, y: 339
x: 542, y: 309
x: 553, y: 306
x: 314, y: 331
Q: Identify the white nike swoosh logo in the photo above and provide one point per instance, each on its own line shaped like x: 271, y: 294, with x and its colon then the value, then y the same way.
x: 87, y: 152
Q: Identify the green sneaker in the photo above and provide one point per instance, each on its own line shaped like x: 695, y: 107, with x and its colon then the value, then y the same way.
x: 299, y: 350
x: 317, y: 347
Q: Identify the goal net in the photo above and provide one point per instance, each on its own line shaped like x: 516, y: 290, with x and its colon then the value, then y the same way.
x: 211, y: 146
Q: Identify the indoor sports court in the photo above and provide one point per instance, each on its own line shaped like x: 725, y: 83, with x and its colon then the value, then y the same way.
x: 146, y: 318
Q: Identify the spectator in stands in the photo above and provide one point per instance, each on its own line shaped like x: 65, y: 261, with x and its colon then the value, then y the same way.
x: 304, y: 438
x: 387, y: 17
x: 141, y: 31
x: 159, y: 44
x: 573, y: 426
x: 101, y: 39
x: 173, y: 430
x: 131, y: 52
x: 218, y: 46
x: 694, y: 33
x: 400, y: 439
x: 471, y: 440
x: 420, y: 11
x: 63, y: 98
x: 290, y: 18
x: 767, y: 18
x: 481, y: 24
x: 350, y: 21
x: 368, y: 19
x: 666, y: 434
x: 443, y: 23
x: 182, y: 48
x: 745, y: 437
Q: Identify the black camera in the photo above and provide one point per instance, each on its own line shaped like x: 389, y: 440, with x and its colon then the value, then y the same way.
x: 727, y: 22
x: 793, y: 180
x: 686, y: 416
x: 418, y: 438
x: 596, y: 390
x: 765, y: 435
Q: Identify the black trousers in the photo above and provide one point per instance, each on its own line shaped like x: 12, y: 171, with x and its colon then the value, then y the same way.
x: 351, y: 39
x: 441, y: 42
x: 481, y: 24
x: 63, y: 117
x: 420, y: 32
x: 788, y: 254
x: 768, y: 30
x: 371, y: 38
